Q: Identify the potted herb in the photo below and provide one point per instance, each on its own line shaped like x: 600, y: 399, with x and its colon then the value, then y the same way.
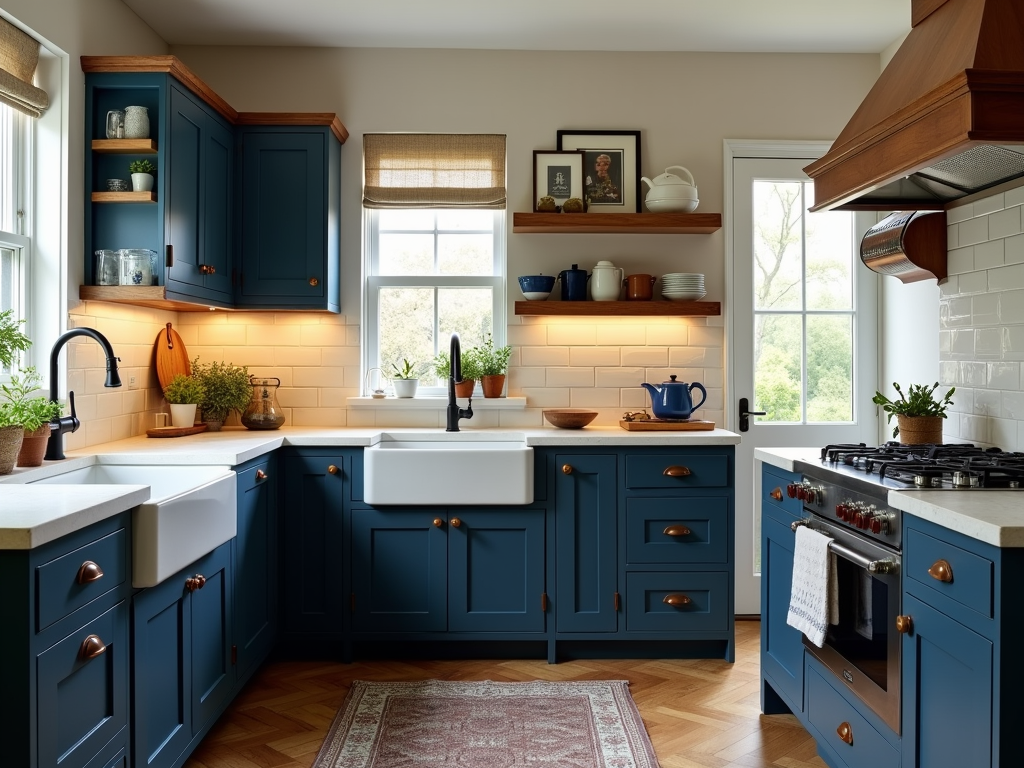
x: 32, y: 413
x: 12, y: 343
x: 470, y: 370
x: 405, y: 380
x: 142, y: 175
x: 492, y: 363
x: 918, y: 414
x: 226, y: 388
x: 183, y: 394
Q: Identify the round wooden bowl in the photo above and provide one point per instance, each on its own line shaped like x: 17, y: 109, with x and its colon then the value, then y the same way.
x: 569, y: 418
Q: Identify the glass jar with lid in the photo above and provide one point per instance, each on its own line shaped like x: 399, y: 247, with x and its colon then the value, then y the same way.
x: 138, y: 266
x: 263, y: 411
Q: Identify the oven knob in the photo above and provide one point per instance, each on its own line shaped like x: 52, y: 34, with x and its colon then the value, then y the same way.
x: 801, y: 492
x: 880, y: 523
x: 809, y: 495
x: 791, y: 490
x: 819, y: 495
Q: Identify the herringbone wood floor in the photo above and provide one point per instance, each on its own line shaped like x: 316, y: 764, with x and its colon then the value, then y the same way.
x: 699, y: 713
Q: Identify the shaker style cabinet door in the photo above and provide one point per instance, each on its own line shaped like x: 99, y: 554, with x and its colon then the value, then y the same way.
x: 782, y: 648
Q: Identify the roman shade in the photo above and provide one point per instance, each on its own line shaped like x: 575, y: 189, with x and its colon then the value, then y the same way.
x: 19, y: 54
x: 433, y: 170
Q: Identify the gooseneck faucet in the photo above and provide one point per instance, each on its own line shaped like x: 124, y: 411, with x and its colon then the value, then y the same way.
x: 62, y: 424
x: 454, y: 377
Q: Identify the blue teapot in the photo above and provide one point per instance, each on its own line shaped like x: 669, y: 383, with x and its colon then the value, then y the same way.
x: 672, y: 399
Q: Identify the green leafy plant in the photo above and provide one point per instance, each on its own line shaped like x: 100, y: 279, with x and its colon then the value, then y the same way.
x: 12, y: 341
x: 22, y: 408
x: 919, y: 401
x: 470, y: 368
x: 407, y: 371
x: 490, y: 360
x: 141, y: 166
x: 226, y: 388
x: 184, y: 390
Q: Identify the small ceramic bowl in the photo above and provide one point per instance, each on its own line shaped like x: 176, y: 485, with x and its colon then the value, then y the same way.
x: 536, y: 295
x: 117, y: 185
x: 569, y: 418
x: 536, y: 287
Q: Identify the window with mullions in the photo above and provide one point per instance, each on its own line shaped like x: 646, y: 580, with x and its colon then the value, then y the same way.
x: 13, y: 245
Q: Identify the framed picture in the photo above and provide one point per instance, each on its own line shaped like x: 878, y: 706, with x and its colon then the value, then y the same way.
x: 611, y: 168
x: 558, y: 175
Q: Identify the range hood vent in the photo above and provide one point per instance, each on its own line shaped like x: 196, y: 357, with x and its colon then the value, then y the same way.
x: 944, y: 120
x: 909, y: 245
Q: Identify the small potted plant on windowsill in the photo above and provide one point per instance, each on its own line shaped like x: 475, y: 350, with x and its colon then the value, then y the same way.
x: 142, y: 175
x: 32, y: 413
x: 492, y: 363
x: 183, y: 394
x: 12, y: 343
x: 918, y: 414
x: 469, y: 368
x: 226, y: 388
x: 406, y: 379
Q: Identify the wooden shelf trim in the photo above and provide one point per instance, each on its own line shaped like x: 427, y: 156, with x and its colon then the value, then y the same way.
x: 619, y: 308
x: 124, y: 197
x: 617, y: 223
x: 124, y: 146
x: 295, y: 118
x: 153, y: 296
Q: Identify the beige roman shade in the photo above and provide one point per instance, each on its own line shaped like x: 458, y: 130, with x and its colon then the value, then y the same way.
x: 19, y: 54
x: 433, y: 170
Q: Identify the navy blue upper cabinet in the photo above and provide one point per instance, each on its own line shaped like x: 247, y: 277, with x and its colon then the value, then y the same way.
x: 290, y: 184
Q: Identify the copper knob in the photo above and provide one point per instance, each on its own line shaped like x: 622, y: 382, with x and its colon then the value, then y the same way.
x: 314, y: 282
x: 261, y: 475
x: 845, y: 733
x: 567, y: 469
x: 88, y: 572
x: 776, y: 494
x: 455, y: 522
x: 206, y: 269
x: 438, y: 522
x: 333, y: 469
x: 941, y: 570
x: 904, y: 624
x: 90, y: 648
x: 192, y: 583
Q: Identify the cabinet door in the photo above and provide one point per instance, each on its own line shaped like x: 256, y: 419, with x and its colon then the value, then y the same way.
x: 218, y: 207
x: 213, y: 677
x: 311, y: 541
x: 947, y: 691
x: 782, y: 648
x: 495, y: 570
x: 183, y: 206
x: 399, y: 564
x: 586, y: 546
x: 284, y: 207
x: 255, y: 567
x: 83, y: 698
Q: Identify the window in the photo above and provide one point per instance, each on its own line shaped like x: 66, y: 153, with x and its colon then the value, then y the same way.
x: 14, y: 246
x: 435, y: 248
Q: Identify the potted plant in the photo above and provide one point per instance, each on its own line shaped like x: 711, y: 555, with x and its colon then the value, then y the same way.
x: 32, y: 413
x: 142, y: 175
x: 470, y: 370
x: 918, y: 414
x: 226, y: 388
x: 492, y: 362
x: 12, y: 343
x: 406, y: 379
x: 183, y: 394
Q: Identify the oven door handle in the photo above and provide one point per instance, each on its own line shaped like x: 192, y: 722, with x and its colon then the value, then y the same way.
x: 886, y: 566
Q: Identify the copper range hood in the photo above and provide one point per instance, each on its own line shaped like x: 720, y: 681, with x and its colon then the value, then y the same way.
x: 944, y: 120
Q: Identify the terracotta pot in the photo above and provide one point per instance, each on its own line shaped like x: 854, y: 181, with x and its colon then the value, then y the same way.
x: 10, y: 444
x: 465, y: 388
x: 920, y: 430
x: 492, y: 385
x: 33, y: 447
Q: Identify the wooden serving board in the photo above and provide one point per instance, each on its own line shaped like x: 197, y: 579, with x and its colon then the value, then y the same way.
x: 171, y: 356
x: 175, y: 431
x: 656, y: 425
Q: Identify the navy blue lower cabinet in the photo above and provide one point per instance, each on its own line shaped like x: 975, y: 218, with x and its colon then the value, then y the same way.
x: 586, y: 524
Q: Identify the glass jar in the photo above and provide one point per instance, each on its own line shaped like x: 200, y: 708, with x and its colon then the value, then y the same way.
x: 138, y: 266
x: 263, y: 411
x: 108, y: 268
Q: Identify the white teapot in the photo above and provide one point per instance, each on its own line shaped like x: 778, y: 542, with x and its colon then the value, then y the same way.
x: 605, y: 282
x: 669, y: 193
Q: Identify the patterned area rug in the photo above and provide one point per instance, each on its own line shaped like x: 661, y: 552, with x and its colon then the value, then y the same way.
x: 583, y: 724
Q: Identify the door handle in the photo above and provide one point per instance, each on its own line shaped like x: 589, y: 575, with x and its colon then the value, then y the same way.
x: 745, y: 414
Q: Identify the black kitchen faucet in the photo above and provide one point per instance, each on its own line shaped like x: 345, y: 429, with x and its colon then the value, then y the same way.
x: 454, y: 377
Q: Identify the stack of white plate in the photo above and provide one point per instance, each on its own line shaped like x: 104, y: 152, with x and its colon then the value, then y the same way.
x: 683, y: 286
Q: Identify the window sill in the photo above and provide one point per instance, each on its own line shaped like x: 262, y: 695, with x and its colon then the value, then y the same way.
x: 439, y: 403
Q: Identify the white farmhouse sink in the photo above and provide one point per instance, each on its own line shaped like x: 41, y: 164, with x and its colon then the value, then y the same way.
x: 191, y: 511
x: 451, y: 472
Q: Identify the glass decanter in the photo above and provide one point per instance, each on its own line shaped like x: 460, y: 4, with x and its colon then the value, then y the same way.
x: 263, y: 411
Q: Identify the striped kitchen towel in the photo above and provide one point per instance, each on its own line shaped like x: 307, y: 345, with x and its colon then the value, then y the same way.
x: 814, y: 597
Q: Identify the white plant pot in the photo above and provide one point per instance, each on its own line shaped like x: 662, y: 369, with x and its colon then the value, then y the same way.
x: 183, y: 415
x: 142, y: 182
x: 405, y: 387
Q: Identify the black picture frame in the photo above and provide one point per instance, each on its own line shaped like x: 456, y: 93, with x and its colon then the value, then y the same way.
x: 619, y: 153
x: 548, y: 167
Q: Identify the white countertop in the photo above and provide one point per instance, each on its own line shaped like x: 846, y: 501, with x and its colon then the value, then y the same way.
x: 31, y: 515
x: 783, y: 458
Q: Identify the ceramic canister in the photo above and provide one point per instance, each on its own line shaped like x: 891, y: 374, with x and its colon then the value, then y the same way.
x: 136, y: 123
x: 605, y: 281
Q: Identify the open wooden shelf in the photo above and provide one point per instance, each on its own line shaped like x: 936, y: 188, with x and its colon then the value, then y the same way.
x: 619, y: 308
x: 617, y: 223
x: 154, y: 296
x: 124, y: 197
x: 124, y: 146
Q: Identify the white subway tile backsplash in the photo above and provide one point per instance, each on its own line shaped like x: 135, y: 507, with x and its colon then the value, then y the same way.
x: 527, y: 335
x: 644, y: 356
x: 989, y: 204
x: 988, y: 255
x: 543, y: 397
x: 570, y: 377
x: 974, y: 428
x: 986, y: 342
x: 1012, y: 405
x: 1012, y: 341
x: 707, y: 336
x: 1004, y: 223
x: 987, y: 403
x: 220, y: 335
x: 619, y: 377
x: 1002, y: 432
x: 593, y: 398
x: 575, y: 335
x: 1003, y: 376
x: 525, y: 377
x: 973, y: 374
x: 983, y: 310
x: 544, y: 356
x: 960, y: 213
x: 971, y: 282
x: 593, y: 356
x: 973, y: 231
x: 1013, y: 249
x: 634, y: 399
x: 961, y: 343
x: 693, y: 357
x: 960, y: 261
x: 667, y: 335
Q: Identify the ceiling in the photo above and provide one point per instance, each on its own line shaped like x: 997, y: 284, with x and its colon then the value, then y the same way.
x: 833, y: 26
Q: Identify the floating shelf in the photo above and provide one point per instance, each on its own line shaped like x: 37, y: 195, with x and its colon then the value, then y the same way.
x: 124, y: 146
x: 124, y: 197
x: 153, y: 296
x: 619, y: 308
x: 617, y: 223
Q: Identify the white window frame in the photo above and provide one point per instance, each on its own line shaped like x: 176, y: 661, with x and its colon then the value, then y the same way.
x: 374, y: 283
x: 15, y: 239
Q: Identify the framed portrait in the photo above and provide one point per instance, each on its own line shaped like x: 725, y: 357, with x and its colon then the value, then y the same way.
x: 558, y: 175
x: 611, y: 168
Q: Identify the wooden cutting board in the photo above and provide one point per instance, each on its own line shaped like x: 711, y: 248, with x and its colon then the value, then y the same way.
x: 171, y: 356
x: 175, y: 431
x: 656, y: 425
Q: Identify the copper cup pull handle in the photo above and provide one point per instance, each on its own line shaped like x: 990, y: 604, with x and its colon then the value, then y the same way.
x: 333, y: 469
x: 845, y: 732
x: 206, y: 269
x: 677, y: 530
x: 904, y: 624
x: 456, y: 522
x: 676, y: 471
x: 676, y: 600
x: 438, y: 522
x: 88, y: 572
x: 192, y: 583
x: 261, y: 475
x: 314, y: 282
x: 941, y: 570
x: 90, y: 648
x: 567, y: 469
x: 776, y: 494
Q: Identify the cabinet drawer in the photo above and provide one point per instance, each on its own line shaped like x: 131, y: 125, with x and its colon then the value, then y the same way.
x: 68, y: 582
x: 681, y: 470
x: 257, y: 474
x: 682, y: 530
x: 707, y: 609
x: 972, y: 574
x: 827, y: 711
x: 775, y: 480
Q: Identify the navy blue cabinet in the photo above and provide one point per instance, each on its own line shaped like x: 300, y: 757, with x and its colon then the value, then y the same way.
x: 290, y: 189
